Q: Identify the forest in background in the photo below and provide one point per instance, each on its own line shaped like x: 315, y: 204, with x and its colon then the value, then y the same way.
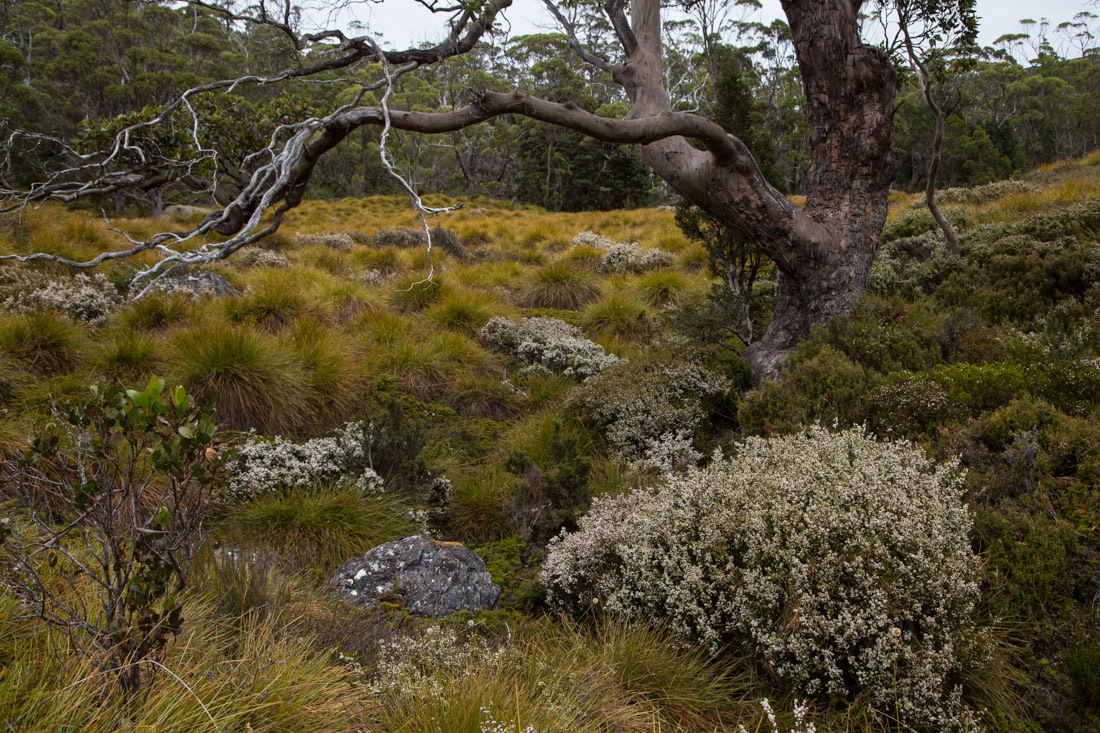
x: 78, y: 69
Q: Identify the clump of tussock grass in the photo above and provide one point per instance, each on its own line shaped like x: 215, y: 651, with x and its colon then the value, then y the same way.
x: 129, y: 356
x: 693, y: 258
x: 559, y: 286
x: 258, y: 383
x: 388, y: 260
x: 155, y: 311
x: 617, y: 314
x: 268, y: 302
x: 254, y: 675
x: 555, y: 678
x: 464, y: 310
x: 482, y: 396
x: 585, y: 257
x: 320, y: 527
x: 45, y: 341
x: 481, y: 504
x: 661, y: 287
x: 327, y: 259
x: 414, y: 292
x: 333, y: 378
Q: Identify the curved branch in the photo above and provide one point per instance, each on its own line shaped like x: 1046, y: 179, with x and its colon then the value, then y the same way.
x: 574, y: 42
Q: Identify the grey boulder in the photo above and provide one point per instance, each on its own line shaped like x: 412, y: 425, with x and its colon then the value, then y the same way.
x: 196, y: 284
x: 428, y: 578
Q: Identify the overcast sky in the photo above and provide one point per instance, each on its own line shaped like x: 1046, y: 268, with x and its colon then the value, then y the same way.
x: 403, y: 22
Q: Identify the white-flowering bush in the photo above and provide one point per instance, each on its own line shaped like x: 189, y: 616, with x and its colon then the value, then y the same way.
x: 263, y: 466
x: 841, y: 562
x: 260, y: 257
x: 83, y: 298
x: 547, y: 345
x: 650, y: 409
x: 624, y: 256
x: 426, y: 666
x: 336, y: 240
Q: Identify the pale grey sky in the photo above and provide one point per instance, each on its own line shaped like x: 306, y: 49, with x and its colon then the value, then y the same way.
x: 403, y: 22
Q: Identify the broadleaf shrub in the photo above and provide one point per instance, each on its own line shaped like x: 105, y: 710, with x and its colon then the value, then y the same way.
x: 841, y: 563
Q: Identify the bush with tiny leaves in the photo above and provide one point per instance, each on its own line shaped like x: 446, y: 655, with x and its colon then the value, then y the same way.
x: 623, y: 256
x: 650, y: 409
x: 547, y: 346
x: 843, y: 564
x: 82, y: 298
x: 264, y: 466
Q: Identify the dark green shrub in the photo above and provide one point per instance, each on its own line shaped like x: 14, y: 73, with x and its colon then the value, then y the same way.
x: 996, y: 429
x: 915, y: 222
x: 888, y: 335
x: 1017, y: 278
x: 825, y: 387
x: 981, y: 387
x: 1027, y: 561
x: 1082, y: 665
x: 908, y: 405
x: 558, y: 482
x: 1072, y: 385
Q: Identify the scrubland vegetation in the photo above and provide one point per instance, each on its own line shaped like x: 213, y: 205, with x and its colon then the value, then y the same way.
x: 947, y: 583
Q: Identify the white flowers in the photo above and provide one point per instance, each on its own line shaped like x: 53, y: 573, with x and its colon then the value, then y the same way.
x: 651, y: 409
x: 810, y: 551
x: 547, y: 345
x: 263, y: 466
x: 621, y: 256
x: 83, y: 298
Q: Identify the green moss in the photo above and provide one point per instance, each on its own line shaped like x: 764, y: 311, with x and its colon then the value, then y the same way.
x: 515, y: 569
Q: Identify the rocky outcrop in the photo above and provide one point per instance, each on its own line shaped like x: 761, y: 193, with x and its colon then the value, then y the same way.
x: 196, y: 284
x: 427, y: 578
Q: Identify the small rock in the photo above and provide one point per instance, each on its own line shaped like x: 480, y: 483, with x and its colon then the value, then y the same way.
x: 430, y: 578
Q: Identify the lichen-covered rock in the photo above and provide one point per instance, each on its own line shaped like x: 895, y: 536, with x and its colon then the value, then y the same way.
x: 185, y: 212
x: 428, y: 578
x: 196, y: 284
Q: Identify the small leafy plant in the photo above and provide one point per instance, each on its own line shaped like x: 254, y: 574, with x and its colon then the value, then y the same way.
x: 114, y: 493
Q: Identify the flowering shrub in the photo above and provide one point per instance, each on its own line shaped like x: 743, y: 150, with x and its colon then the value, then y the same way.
x: 651, y: 409
x: 547, y: 345
x: 83, y: 298
x: 263, y: 466
x: 622, y: 256
x: 842, y: 563
x: 910, y: 404
x: 336, y: 240
x: 260, y: 257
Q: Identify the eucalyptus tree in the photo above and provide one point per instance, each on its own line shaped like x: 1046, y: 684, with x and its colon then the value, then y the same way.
x: 822, y: 251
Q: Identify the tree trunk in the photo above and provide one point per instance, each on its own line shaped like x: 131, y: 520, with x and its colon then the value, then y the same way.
x: 824, y: 252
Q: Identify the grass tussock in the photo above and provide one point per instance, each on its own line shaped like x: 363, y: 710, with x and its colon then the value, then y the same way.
x: 251, y: 676
x: 130, y: 357
x: 617, y: 314
x: 320, y: 527
x: 560, y: 286
x: 257, y: 380
x: 42, y: 341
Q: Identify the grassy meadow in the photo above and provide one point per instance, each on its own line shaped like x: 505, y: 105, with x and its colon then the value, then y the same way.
x: 994, y: 359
